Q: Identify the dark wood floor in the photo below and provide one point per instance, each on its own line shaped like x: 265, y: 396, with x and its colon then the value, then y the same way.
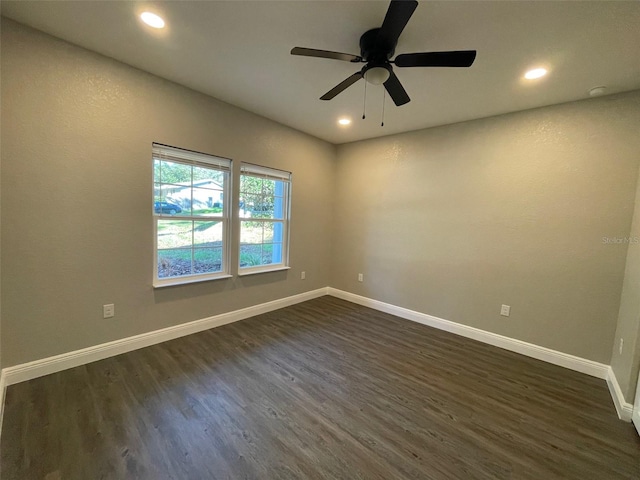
x: 323, y: 389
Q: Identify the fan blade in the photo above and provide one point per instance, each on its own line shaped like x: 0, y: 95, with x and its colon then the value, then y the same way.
x: 396, y: 90
x: 312, y: 52
x: 342, y: 86
x: 461, y: 58
x: 395, y: 20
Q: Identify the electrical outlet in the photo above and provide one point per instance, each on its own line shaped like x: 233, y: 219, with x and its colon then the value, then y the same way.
x: 621, y: 344
x: 108, y: 311
x: 303, y: 275
x: 505, y: 310
x: 360, y: 277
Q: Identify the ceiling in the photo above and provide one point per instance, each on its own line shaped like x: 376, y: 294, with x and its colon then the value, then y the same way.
x: 238, y: 52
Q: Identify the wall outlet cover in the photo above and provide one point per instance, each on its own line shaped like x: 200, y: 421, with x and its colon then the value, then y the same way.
x: 108, y: 311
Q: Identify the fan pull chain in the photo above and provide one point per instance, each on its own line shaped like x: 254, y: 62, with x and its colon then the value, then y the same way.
x: 364, y: 104
x: 384, y: 97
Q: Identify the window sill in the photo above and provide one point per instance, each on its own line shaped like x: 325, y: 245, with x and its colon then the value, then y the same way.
x: 186, y: 281
x: 254, y: 271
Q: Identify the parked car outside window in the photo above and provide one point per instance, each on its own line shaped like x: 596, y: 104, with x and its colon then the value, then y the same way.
x: 166, y: 207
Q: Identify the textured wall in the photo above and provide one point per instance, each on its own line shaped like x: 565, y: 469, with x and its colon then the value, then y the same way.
x: 77, y: 228
x: 451, y: 221
x: 626, y: 365
x: 455, y: 221
x: 1, y: 406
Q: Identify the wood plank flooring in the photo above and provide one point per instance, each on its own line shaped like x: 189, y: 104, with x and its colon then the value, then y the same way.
x: 321, y: 390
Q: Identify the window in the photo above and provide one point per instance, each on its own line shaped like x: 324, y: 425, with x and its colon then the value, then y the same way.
x: 264, y: 219
x: 191, y: 215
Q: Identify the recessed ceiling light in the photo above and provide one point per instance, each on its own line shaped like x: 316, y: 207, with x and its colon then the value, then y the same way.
x: 344, y: 121
x: 152, y: 19
x: 595, y: 91
x: 535, y: 73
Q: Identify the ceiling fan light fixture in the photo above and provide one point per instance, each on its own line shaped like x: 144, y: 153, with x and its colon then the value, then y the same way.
x: 376, y: 75
x: 377, y: 48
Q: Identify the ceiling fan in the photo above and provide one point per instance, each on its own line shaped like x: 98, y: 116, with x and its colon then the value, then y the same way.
x: 378, y: 45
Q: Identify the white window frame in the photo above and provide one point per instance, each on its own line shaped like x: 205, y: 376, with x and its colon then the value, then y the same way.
x: 270, y: 174
x: 190, y: 157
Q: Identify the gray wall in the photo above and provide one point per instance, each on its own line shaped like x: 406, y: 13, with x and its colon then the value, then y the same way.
x: 76, y: 206
x: 455, y: 221
x: 1, y: 406
x: 627, y: 364
x: 451, y: 221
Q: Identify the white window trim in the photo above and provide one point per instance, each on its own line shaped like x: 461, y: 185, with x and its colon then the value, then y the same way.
x: 187, y: 279
x: 263, y: 269
x: 273, y: 174
x: 166, y: 152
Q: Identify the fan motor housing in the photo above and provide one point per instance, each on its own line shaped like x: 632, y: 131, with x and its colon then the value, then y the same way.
x: 373, y: 52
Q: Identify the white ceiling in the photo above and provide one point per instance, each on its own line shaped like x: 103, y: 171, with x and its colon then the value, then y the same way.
x: 238, y: 52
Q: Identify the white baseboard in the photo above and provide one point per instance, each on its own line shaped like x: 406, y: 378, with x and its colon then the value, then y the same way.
x: 3, y: 389
x: 57, y: 363
x: 571, y: 362
x: 624, y: 409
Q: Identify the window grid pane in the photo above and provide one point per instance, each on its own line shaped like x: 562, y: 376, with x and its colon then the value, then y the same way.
x: 261, y: 242
x: 191, y: 217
